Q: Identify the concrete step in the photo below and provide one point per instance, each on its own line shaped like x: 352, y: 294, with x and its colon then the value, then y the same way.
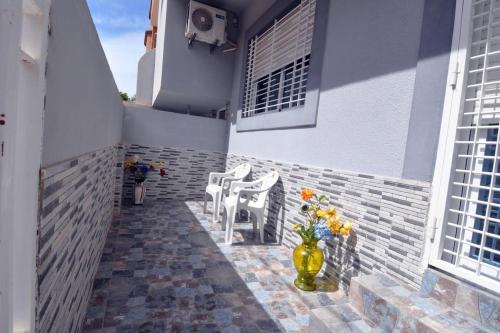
x: 470, y: 300
x: 387, y: 306
x: 339, y: 318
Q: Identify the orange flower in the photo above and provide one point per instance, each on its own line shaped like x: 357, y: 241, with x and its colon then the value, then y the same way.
x: 307, y: 194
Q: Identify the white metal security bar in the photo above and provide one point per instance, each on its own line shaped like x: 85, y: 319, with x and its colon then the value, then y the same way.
x: 470, y: 241
x: 278, y: 63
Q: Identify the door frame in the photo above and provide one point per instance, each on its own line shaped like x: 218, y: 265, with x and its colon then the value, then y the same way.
x: 453, y: 104
x: 10, y: 27
x: 22, y: 95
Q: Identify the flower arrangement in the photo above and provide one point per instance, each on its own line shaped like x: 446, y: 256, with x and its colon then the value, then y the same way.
x: 323, y: 222
x: 140, y: 170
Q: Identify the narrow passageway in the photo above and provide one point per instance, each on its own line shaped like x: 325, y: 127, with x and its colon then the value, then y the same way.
x: 165, y: 268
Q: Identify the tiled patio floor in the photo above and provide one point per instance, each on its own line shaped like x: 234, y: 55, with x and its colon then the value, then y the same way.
x: 165, y: 268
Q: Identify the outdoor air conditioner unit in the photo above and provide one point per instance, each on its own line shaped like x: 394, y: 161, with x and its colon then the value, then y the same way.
x: 205, y: 24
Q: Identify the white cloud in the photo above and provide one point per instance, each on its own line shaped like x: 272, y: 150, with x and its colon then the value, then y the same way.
x: 123, y: 53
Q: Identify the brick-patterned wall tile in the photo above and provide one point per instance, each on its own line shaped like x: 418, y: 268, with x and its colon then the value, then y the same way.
x: 75, y: 214
x: 388, y: 215
x: 187, y: 172
x: 118, y: 173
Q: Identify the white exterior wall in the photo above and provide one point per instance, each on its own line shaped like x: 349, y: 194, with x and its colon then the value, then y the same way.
x: 145, y: 78
x: 84, y: 111
x: 23, y: 35
x: 188, y: 77
x: 10, y: 20
x: 159, y: 50
x: 150, y: 127
x: 368, y: 83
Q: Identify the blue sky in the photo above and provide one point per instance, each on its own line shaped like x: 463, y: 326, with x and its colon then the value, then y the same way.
x: 121, y: 25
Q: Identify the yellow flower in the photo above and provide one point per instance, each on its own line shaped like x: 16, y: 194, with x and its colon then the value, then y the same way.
x: 332, y: 216
x: 346, y: 228
x: 334, y: 219
x: 320, y: 213
x: 307, y: 194
x: 296, y: 226
x: 334, y: 226
x: 127, y: 164
x: 331, y: 212
x: 344, y: 231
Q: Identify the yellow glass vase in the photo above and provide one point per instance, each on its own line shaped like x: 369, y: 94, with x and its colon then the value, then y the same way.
x: 308, y: 260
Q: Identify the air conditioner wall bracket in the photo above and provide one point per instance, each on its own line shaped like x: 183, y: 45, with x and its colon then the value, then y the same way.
x: 191, y: 40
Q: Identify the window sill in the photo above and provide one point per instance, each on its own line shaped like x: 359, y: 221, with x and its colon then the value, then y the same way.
x: 297, y: 117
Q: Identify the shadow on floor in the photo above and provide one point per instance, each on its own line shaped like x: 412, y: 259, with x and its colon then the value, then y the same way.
x: 165, y: 269
x: 344, y: 260
x: 275, y: 223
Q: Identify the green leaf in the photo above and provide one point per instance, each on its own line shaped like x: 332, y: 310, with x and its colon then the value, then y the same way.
x: 322, y: 198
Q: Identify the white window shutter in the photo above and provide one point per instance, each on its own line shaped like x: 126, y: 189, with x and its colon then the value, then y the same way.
x: 278, y: 63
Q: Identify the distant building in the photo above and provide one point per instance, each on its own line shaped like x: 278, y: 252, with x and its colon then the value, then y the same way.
x: 150, y: 34
x: 177, y: 77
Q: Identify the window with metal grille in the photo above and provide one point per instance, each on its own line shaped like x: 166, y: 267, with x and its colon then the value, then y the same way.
x: 278, y: 63
x: 472, y: 220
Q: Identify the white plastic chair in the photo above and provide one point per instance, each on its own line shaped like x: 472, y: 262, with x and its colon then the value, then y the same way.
x: 219, y: 184
x: 250, y: 196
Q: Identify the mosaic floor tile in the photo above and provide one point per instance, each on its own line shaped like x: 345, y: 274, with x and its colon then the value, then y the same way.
x: 165, y: 268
